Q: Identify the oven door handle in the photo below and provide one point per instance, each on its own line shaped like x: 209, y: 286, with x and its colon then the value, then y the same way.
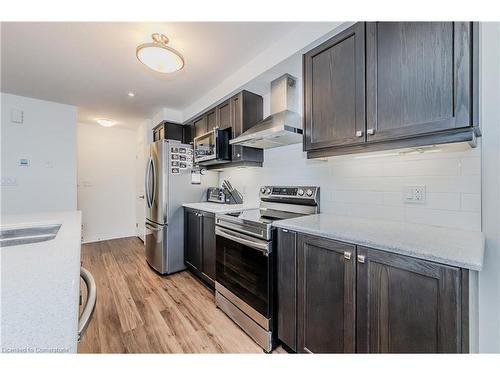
x: 264, y: 247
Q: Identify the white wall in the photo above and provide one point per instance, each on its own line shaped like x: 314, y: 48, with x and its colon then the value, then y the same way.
x: 47, y: 137
x: 106, y: 181
x: 489, y: 278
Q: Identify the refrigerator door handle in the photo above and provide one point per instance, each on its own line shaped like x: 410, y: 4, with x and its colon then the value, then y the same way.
x: 146, y: 182
x: 153, y: 168
x: 151, y: 227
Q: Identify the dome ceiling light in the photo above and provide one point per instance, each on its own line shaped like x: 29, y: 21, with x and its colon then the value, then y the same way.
x: 158, y: 57
x: 106, y: 122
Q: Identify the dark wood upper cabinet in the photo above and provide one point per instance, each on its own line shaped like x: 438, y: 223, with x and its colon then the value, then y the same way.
x: 224, y: 115
x: 406, y: 305
x: 246, y: 111
x: 385, y: 85
x: 172, y: 130
x: 334, y: 91
x: 200, y: 126
x: 211, y: 120
x: 326, y: 295
x: 287, y: 287
x: 418, y: 78
x: 239, y: 113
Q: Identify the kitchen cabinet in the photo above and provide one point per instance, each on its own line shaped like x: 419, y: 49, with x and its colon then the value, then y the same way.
x: 246, y: 111
x: 239, y: 113
x: 287, y: 287
x: 348, y: 298
x: 419, y: 81
x: 199, y: 244
x: 334, y: 112
x: 193, y: 226
x: 418, y: 78
x: 406, y: 305
x: 224, y: 115
x: 326, y: 295
x: 211, y: 120
x: 208, y: 245
x: 200, y: 126
x: 172, y: 130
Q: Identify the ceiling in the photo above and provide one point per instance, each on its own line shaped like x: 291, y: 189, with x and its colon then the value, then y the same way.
x: 92, y: 65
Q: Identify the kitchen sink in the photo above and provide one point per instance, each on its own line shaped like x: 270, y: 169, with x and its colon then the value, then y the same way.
x: 26, y: 235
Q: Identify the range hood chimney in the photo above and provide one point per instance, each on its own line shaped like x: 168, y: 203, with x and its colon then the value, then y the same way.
x: 283, y: 126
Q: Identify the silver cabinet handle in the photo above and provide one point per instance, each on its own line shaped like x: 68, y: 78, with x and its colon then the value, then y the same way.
x: 347, y: 255
x: 361, y: 258
x: 359, y: 133
x: 370, y: 131
x: 88, y: 310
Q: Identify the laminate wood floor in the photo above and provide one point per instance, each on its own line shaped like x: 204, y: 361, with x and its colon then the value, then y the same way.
x: 140, y: 311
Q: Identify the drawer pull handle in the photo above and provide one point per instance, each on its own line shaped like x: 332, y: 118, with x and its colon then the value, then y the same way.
x: 347, y: 255
x: 359, y: 133
x: 370, y: 131
x: 361, y: 258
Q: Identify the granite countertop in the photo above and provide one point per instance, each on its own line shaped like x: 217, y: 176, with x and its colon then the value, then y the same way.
x: 218, y: 208
x: 41, y: 286
x: 453, y: 247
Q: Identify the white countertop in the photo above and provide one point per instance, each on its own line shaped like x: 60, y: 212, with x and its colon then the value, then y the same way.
x: 454, y: 247
x: 40, y: 286
x: 218, y: 208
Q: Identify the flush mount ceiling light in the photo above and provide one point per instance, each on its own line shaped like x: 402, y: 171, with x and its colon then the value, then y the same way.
x: 158, y: 56
x: 106, y: 122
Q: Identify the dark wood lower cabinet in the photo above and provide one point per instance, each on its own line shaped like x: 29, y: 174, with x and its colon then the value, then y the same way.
x: 344, y: 298
x: 287, y: 287
x: 406, y: 305
x: 208, y: 247
x: 326, y: 296
x: 199, y: 244
x: 192, y: 239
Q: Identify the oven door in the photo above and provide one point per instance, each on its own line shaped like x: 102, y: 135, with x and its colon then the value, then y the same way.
x: 244, y: 267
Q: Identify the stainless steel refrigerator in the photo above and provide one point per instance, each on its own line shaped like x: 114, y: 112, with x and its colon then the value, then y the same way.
x: 168, y: 186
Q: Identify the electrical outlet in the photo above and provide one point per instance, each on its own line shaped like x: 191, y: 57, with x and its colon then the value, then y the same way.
x: 414, y: 194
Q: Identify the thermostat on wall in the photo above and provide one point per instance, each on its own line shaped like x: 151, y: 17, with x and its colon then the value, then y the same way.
x: 24, y: 162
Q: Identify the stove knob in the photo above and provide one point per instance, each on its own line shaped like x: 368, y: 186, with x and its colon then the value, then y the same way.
x: 263, y: 190
x: 300, y: 192
x: 268, y: 191
x: 309, y: 192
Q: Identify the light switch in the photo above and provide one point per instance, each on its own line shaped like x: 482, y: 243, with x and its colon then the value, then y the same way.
x: 16, y: 116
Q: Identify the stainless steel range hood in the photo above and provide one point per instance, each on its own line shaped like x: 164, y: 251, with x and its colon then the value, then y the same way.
x: 283, y: 126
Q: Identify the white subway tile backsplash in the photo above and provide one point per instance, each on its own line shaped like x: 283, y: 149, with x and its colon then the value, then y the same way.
x: 471, y: 202
x: 471, y: 166
x: 373, y: 187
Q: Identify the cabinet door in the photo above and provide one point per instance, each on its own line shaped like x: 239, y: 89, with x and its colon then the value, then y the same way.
x: 326, y: 295
x: 406, y: 305
x: 418, y: 78
x: 224, y: 115
x: 287, y: 287
x: 237, y: 124
x: 211, y: 120
x: 208, y: 238
x: 200, y: 126
x: 193, y: 239
x: 334, y: 97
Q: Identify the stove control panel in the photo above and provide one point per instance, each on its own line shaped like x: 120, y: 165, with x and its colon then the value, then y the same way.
x: 289, y: 192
